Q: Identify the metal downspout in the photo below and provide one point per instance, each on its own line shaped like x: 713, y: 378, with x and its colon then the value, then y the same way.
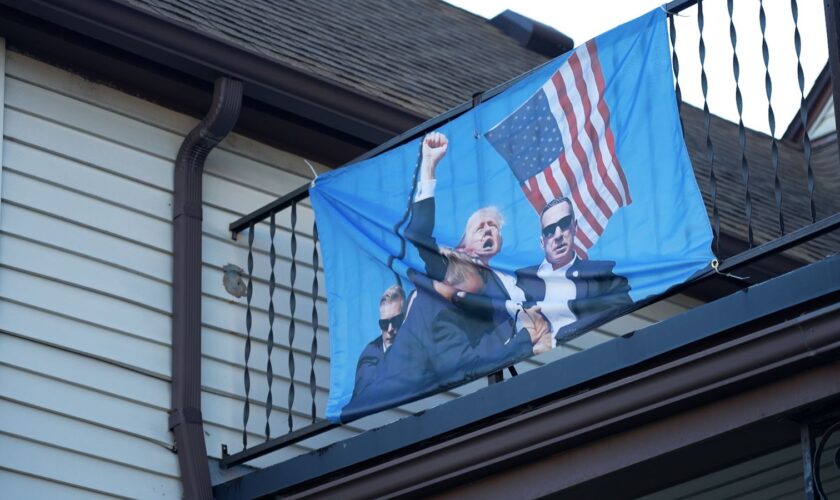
x: 185, y: 417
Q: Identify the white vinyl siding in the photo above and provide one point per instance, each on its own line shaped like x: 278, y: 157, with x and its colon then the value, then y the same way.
x: 2, y: 108
x: 85, y: 290
x: 85, y: 295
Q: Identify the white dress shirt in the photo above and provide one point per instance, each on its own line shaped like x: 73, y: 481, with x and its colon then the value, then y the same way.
x: 559, y: 290
x: 425, y: 189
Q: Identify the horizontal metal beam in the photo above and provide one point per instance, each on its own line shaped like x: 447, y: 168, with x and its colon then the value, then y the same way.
x: 275, y: 206
x: 678, y: 6
x: 276, y: 443
x: 782, y: 243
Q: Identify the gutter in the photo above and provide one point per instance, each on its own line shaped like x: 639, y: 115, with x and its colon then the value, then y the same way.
x: 185, y: 417
x: 204, y: 56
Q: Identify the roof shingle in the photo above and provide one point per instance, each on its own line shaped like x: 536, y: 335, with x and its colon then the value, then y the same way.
x: 421, y: 55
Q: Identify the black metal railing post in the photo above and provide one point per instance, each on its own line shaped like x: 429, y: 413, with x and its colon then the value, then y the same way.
x: 248, y: 223
x: 742, y: 134
x: 807, y: 447
x: 707, y: 122
x: 292, y: 307
x: 675, y: 64
x: 803, y: 109
x: 246, y: 376
x: 771, y: 116
x: 269, y: 369
x: 313, y: 350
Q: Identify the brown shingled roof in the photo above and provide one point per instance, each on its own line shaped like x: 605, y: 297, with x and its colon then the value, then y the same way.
x: 422, y: 55
x: 793, y: 178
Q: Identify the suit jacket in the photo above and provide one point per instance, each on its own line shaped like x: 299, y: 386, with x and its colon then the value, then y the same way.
x: 599, y: 293
x: 369, y: 360
x: 419, y: 232
x: 438, y: 346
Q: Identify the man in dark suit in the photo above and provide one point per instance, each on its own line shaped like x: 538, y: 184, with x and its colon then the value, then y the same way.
x: 440, y: 345
x: 575, y: 295
x: 481, y: 240
x: 391, y: 316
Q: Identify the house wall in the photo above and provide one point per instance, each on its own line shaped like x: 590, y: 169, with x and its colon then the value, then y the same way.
x: 824, y: 123
x: 85, y: 265
x: 85, y: 289
x: 85, y: 294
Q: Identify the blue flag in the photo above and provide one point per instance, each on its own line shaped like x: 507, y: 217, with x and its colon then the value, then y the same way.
x: 531, y: 219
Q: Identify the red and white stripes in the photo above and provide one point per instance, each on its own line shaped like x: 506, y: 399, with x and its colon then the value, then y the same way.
x: 587, y: 170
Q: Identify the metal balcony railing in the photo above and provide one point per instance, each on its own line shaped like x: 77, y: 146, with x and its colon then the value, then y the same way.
x: 764, y: 195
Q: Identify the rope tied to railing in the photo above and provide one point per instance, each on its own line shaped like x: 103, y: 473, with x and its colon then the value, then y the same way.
x: 313, y: 351
x: 716, y: 268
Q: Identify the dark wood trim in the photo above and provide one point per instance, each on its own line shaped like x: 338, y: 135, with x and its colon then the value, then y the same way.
x: 678, y: 447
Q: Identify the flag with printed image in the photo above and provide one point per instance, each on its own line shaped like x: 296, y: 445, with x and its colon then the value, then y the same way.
x: 521, y: 225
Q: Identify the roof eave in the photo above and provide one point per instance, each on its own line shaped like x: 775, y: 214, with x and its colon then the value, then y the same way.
x: 205, y: 57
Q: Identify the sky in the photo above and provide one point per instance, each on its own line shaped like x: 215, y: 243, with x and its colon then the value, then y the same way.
x: 583, y: 20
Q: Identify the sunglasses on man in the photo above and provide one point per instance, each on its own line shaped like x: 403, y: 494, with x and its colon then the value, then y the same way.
x: 564, y: 223
x: 395, y: 321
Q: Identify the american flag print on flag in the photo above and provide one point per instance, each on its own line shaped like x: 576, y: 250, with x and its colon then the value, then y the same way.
x: 559, y: 144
